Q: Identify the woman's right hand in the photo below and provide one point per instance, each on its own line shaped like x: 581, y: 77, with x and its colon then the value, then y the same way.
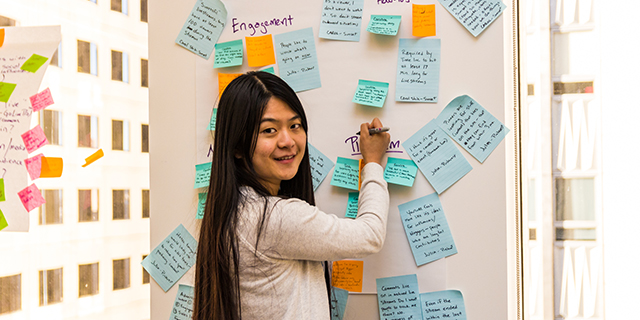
x: 373, y: 146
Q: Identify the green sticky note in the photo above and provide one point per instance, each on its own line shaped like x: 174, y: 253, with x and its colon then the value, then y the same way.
x: 3, y: 221
x: 371, y: 93
x: 202, y: 199
x: 400, y: 171
x: 6, y: 89
x: 384, y: 25
x: 34, y: 63
x: 270, y: 70
x: 346, y: 174
x: 212, y: 122
x: 228, y: 54
x: 203, y: 175
x: 352, y: 205
x: 2, y: 198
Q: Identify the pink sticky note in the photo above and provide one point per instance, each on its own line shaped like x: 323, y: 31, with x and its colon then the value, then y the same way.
x: 34, y: 139
x: 34, y: 166
x: 41, y: 100
x: 31, y: 197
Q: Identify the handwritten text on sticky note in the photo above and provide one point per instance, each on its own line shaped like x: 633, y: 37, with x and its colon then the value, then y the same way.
x: 320, y: 166
x: 202, y: 200
x: 34, y: 166
x: 418, y: 73
x: 41, y: 100
x: 398, y: 297
x: 347, y: 274
x: 476, y: 16
x: 341, y: 20
x: 447, y: 304
x: 346, y: 174
x: 352, y: 205
x: 34, y: 139
x: 6, y: 89
x: 183, y: 305
x: 297, y: 59
x: 424, y: 20
x: 260, y: 51
x: 203, y: 27
x: 31, y: 197
x: 384, y: 24
x: 228, y: 54
x: 34, y: 63
x: 203, y: 175
x: 338, y: 303
x: 371, y: 93
x: 400, y: 171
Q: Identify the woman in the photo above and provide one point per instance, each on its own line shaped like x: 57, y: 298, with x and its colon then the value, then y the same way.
x: 262, y: 240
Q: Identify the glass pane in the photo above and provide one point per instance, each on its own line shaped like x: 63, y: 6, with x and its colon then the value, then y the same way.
x: 88, y: 279
x: 84, y: 57
x: 145, y: 138
x: 575, y: 234
x: 121, y: 274
x: 144, y: 73
x: 575, y: 199
x: 116, y: 65
x: 10, y: 293
x: 88, y: 205
x: 116, y: 135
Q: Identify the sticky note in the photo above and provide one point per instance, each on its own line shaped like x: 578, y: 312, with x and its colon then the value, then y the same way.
x: 31, y: 197
x: 270, y: 70
x: 228, y: 54
x: 437, y: 157
x: 320, y: 166
x: 447, y: 304
x: 418, y: 72
x: 427, y: 229
x: 212, y: 122
x: 400, y: 171
x: 472, y: 126
x: 371, y: 93
x: 384, y: 24
x: 424, y: 20
x: 347, y: 275
x: 183, y: 305
x: 297, y: 59
x: 352, y: 205
x: 346, y: 174
x: 3, y: 220
x: 92, y: 158
x: 34, y: 63
x: 338, y: 303
x: 341, y: 20
x: 260, y: 51
x: 203, y: 27
x: 2, y: 195
x: 398, y: 297
x: 51, y: 167
x: 224, y: 79
x: 172, y: 258
x: 203, y: 175
x: 202, y: 200
x: 34, y: 139
x: 41, y: 100
x: 6, y: 89
x: 34, y: 166
x: 1, y: 37
x: 475, y: 16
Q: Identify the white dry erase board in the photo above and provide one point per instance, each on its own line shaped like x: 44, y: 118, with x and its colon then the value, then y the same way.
x: 184, y: 88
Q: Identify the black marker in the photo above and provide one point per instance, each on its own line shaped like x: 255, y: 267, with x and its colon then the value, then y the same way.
x: 376, y: 130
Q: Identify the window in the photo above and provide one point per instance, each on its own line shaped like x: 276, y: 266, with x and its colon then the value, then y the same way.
x: 50, y: 286
x: 87, y: 205
x: 10, y: 293
x: 94, y: 1
x: 144, y: 73
x: 88, y: 279
x: 87, y: 57
x: 120, y: 6
x: 143, y: 11
x: 6, y: 22
x: 145, y: 203
x: 120, y: 135
x: 51, y: 122
x: 120, y: 204
x: 51, y: 211
x: 121, y: 274
x: 145, y: 274
x: 55, y: 59
x: 119, y: 66
x: 87, y: 131
x: 145, y: 138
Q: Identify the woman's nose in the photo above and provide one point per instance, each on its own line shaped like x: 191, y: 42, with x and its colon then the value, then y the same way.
x: 285, y: 139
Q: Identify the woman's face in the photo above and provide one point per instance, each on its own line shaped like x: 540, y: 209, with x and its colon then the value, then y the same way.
x: 280, y: 146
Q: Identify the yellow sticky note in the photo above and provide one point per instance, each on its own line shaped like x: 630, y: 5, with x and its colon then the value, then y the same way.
x: 224, y: 79
x: 424, y: 20
x: 1, y: 37
x: 260, y: 51
x: 347, y: 274
x: 51, y: 167
x: 92, y: 158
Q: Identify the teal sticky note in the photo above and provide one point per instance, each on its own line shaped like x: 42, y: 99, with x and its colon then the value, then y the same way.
x: 320, y: 166
x: 6, y: 89
x: 400, y: 171
x: 446, y: 304
x: 384, y: 24
x: 212, y: 122
x: 472, y: 126
x: 3, y: 221
x: 297, y: 59
x: 203, y: 27
x: 371, y: 93
x: 228, y: 54
x: 418, y: 72
x: 203, y: 175
x: 270, y: 70
x: 437, y: 157
x: 475, y: 16
x: 172, y: 258
x: 34, y: 63
x: 183, y: 305
x: 202, y: 200
x: 398, y: 297
x: 338, y: 303
x: 346, y: 174
x: 341, y: 20
x: 352, y: 205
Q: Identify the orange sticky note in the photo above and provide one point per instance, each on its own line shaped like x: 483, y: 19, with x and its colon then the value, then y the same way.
x: 1, y: 36
x: 347, y: 274
x: 92, y: 158
x: 51, y: 167
x: 260, y: 51
x: 224, y: 79
x: 424, y: 20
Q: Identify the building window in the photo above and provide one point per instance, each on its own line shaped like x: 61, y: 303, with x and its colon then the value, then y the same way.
x: 55, y: 59
x: 119, y: 66
x: 145, y: 138
x: 145, y: 274
x: 51, y: 123
x: 88, y: 205
x: 7, y: 22
x: 87, y: 57
x: 143, y: 11
x: 120, y: 204
x: 50, y: 286
x: 120, y: 6
x: 51, y: 211
x: 144, y: 73
x: 10, y: 293
x: 94, y: 1
x: 88, y: 279
x: 121, y: 274
x: 145, y: 203
x: 87, y: 131
x: 120, y: 135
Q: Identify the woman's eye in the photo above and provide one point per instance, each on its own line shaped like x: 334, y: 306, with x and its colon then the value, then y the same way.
x: 269, y: 130
x: 296, y: 126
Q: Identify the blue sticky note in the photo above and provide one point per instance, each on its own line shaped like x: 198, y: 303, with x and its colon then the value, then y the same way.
x: 352, y: 205
x: 228, y: 54
x: 270, y: 70
x: 427, y: 229
x: 418, y: 74
x: 297, y: 59
x: 203, y: 27
x: 400, y: 171
x: 320, y: 166
x: 472, y: 126
x: 346, y: 174
x: 212, y: 122
x: 183, y: 305
x: 371, y: 93
x: 384, y: 24
x: 398, y: 298
x: 437, y: 157
x: 341, y: 20
x: 203, y: 175
x: 476, y: 16
x: 338, y: 303
x: 447, y: 304
x: 172, y: 258
x: 202, y: 200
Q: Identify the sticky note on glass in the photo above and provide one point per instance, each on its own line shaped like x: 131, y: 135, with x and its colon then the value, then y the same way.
x: 472, y: 126
x: 447, y: 304
x: 341, y: 20
x: 260, y: 51
x: 398, y: 297
x: 212, y: 122
x: 338, y: 303
x: 1, y: 37
x: 6, y: 89
x: 297, y: 59
x: 346, y: 174
x: 320, y: 166
x: 183, y: 305
x: 371, y: 93
x: 202, y: 200
x: 34, y: 139
x: 224, y: 79
x: 228, y: 54
x: 352, y: 205
x: 41, y: 100
x: 3, y: 220
x: 437, y: 157
x: 203, y: 27
x: 51, y: 167
x: 427, y: 229
x: 34, y: 166
x: 269, y: 70
x: 92, y: 158
x: 476, y: 16
x: 347, y: 274
x: 2, y: 195
x: 172, y: 258
x: 424, y: 20
x: 384, y: 24
x: 31, y: 197
x: 34, y: 63
x: 203, y: 175
x: 418, y: 73
x: 400, y: 171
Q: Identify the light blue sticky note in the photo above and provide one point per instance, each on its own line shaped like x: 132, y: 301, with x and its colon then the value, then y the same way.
x: 400, y: 171
x: 338, y: 303
x: 320, y: 166
x: 203, y: 27
x: 437, y: 157
x: 228, y: 54
x: 384, y: 24
x: 346, y: 174
x: 172, y: 258
x: 427, y: 229
x: 183, y: 305
x: 398, y: 298
x: 476, y: 16
x: 341, y: 20
x: 352, y: 205
x: 203, y: 175
x: 447, y: 304
x: 212, y: 122
x: 202, y: 200
x: 371, y: 93
x: 418, y: 73
x: 472, y: 126
x: 270, y: 70
x: 297, y: 59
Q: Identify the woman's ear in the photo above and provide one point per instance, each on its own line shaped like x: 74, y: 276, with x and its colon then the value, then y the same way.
x: 238, y: 155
